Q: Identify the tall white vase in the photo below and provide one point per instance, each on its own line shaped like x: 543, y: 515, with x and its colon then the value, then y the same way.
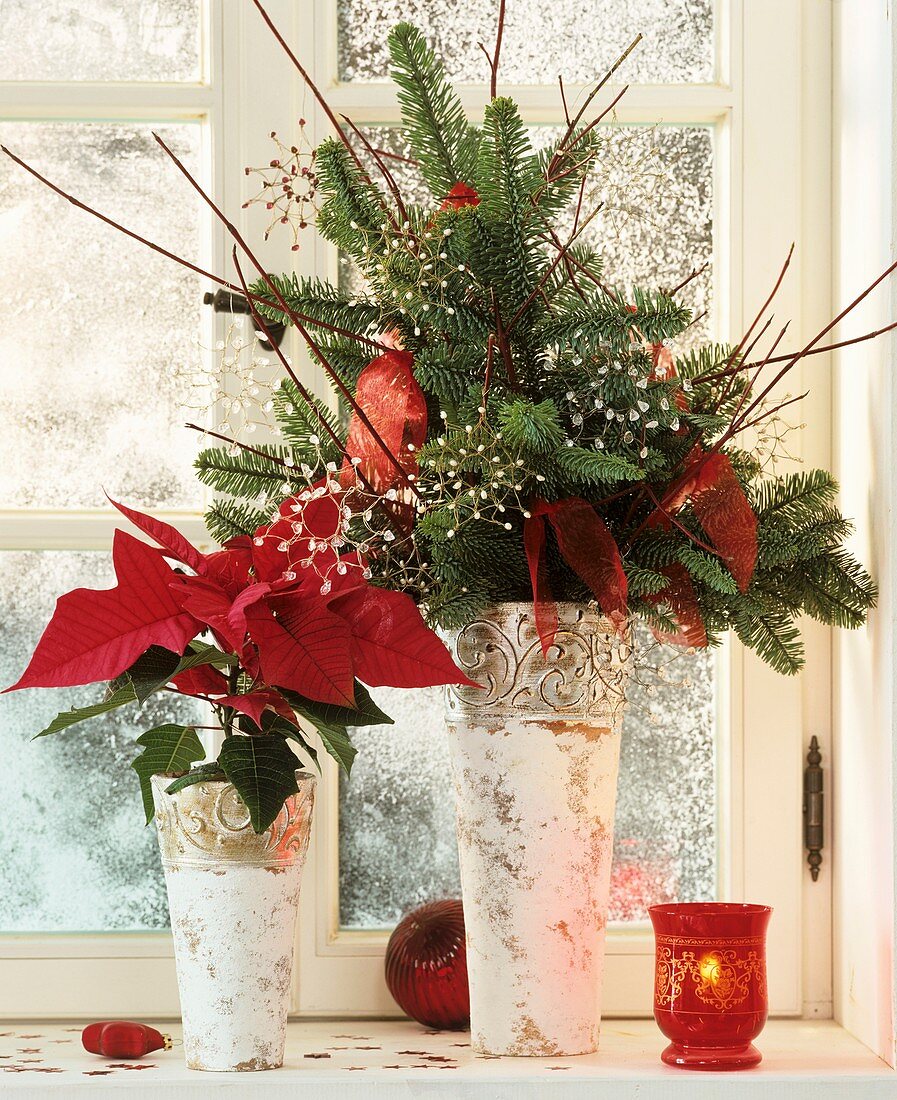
x: 535, y: 755
x: 233, y: 897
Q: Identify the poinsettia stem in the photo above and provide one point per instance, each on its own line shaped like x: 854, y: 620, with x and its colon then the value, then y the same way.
x: 297, y: 323
x: 217, y: 279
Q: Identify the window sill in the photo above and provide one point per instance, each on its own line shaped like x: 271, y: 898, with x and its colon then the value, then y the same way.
x: 394, y: 1059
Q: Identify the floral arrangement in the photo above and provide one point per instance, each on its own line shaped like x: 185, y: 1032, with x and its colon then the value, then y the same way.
x: 548, y: 439
x: 511, y: 426
x: 297, y: 627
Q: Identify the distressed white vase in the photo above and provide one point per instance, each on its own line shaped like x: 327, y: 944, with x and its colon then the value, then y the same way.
x: 535, y: 755
x: 233, y: 896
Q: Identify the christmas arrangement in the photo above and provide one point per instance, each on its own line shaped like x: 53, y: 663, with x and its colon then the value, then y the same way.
x: 521, y: 453
x: 550, y: 443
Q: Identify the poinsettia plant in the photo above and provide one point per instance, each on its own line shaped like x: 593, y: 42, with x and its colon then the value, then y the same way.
x: 278, y: 633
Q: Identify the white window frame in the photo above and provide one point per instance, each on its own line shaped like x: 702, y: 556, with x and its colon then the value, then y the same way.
x: 769, y: 112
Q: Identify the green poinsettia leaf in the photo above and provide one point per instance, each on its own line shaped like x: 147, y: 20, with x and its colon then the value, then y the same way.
x: 280, y: 727
x: 124, y: 695
x: 149, y: 673
x: 336, y: 741
x: 364, y: 713
x: 263, y: 770
x: 199, y: 774
x: 167, y: 748
x: 158, y: 667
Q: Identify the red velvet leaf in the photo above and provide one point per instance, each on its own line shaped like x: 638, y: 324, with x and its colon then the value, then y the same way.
x: 395, y: 405
x: 207, y: 601
x: 461, y: 195
x: 679, y: 596
x: 545, y: 609
x: 95, y: 635
x: 304, y: 648
x: 282, y: 546
x: 727, y: 517
x: 391, y: 644
x: 169, y: 538
x: 201, y: 681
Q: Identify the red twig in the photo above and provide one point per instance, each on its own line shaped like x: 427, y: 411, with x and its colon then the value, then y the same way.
x: 582, y: 110
x: 315, y: 91
x: 685, y: 531
x: 384, y: 171
x: 688, y: 278
x: 499, y: 34
x: 564, y: 100
x: 287, y: 366
x: 799, y: 355
x: 237, y: 443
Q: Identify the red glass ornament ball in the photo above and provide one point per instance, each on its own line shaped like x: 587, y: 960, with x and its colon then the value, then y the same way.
x: 426, y: 966
x: 123, y: 1039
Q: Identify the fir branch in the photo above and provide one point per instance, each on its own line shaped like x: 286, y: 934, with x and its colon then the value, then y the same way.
x: 432, y: 116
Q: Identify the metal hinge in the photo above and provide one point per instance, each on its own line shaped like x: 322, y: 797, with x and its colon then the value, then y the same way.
x: 226, y: 301
x: 814, y: 831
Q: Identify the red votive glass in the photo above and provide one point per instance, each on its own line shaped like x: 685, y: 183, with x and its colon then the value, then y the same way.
x: 710, y: 995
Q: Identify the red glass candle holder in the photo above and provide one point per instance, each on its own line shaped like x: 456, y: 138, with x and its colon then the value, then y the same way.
x: 710, y: 994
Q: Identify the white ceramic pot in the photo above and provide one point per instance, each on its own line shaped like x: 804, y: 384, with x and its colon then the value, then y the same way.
x: 535, y: 755
x: 233, y: 897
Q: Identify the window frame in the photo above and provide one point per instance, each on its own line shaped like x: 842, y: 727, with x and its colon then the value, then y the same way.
x: 771, y: 139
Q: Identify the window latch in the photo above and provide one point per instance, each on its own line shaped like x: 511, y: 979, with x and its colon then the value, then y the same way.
x: 814, y: 830
x: 227, y: 301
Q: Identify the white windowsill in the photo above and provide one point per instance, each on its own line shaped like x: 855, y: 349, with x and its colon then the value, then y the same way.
x: 400, y: 1059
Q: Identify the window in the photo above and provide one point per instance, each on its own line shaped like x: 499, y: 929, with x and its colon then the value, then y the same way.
x: 710, y: 146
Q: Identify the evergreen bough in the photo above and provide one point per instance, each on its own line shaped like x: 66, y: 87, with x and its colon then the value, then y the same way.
x: 542, y: 382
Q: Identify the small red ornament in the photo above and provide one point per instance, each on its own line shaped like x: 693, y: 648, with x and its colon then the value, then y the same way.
x: 426, y: 966
x: 123, y: 1039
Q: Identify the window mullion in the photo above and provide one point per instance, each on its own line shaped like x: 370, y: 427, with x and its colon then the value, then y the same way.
x: 46, y: 100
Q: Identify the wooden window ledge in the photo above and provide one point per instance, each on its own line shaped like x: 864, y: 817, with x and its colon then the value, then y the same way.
x: 393, y: 1059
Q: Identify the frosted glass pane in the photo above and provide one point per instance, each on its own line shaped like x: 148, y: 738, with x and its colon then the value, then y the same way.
x: 579, y: 38
x: 75, y: 853
x: 655, y: 189
x: 397, y: 842
x: 100, y: 39
x: 97, y: 329
x: 397, y: 813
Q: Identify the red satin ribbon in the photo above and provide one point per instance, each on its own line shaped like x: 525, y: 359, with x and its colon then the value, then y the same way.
x: 392, y: 400
x: 589, y: 549
x: 679, y: 596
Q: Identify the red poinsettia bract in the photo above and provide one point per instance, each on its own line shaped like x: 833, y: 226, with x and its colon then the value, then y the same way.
x: 297, y: 615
